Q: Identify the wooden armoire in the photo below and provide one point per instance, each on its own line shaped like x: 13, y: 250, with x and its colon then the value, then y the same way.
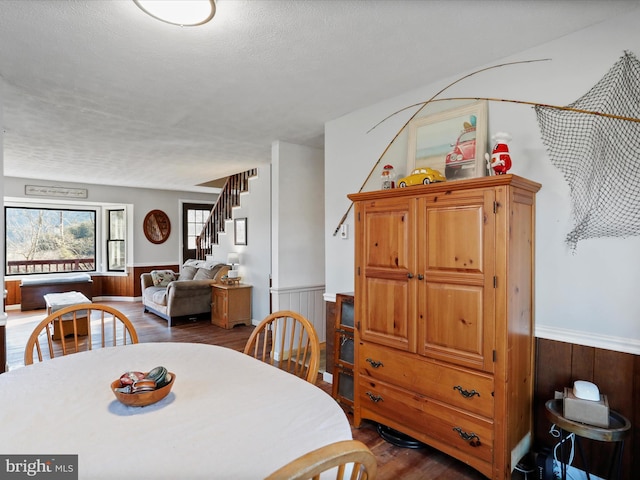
x: 444, y: 277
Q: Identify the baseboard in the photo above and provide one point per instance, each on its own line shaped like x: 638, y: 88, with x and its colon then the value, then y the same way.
x: 107, y: 298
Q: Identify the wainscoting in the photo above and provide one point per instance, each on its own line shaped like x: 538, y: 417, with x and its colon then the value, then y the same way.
x: 558, y: 365
x: 307, y: 301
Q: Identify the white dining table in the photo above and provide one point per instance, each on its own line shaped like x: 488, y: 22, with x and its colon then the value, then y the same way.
x: 228, y: 416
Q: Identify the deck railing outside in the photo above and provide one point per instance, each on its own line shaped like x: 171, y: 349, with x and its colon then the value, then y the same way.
x: 17, y: 267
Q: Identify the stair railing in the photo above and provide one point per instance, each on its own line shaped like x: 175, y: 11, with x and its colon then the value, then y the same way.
x: 222, y: 211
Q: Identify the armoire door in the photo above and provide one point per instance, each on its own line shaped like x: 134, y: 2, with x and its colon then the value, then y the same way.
x: 456, y: 300
x: 385, y: 270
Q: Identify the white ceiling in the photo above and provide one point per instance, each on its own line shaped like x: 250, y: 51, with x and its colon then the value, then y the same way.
x: 95, y: 91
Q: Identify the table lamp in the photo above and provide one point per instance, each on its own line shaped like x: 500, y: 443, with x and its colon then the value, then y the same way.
x: 233, y: 259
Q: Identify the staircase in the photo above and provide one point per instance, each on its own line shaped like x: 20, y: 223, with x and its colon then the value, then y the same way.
x: 222, y: 211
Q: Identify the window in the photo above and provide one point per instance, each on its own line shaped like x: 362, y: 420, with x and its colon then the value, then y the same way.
x: 195, y: 221
x: 194, y: 217
x: 116, y: 241
x: 44, y: 240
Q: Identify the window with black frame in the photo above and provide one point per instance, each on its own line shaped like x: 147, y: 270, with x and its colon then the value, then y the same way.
x: 116, y: 247
x: 47, y: 240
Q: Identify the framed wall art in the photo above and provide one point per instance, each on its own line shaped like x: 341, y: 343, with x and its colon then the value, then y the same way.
x: 452, y: 141
x: 157, y: 226
x: 240, y: 231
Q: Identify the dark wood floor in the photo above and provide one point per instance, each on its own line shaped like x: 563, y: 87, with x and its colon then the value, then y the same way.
x: 393, y: 462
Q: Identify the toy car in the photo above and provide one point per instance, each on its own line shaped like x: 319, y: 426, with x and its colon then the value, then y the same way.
x: 421, y: 176
x: 463, y: 153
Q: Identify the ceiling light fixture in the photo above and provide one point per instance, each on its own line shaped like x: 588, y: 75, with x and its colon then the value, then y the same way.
x: 185, y: 13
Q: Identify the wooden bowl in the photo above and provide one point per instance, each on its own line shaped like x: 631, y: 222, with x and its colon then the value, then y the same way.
x: 142, y: 399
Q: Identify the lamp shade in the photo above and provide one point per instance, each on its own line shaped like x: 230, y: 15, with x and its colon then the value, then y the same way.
x: 233, y: 259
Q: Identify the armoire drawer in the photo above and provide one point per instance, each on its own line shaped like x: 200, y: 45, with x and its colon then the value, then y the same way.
x: 447, y: 426
x: 472, y: 391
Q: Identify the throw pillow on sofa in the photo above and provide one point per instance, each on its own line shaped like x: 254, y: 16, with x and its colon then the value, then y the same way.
x: 192, y: 262
x: 162, y: 278
x: 188, y: 272
x: 204, y: 273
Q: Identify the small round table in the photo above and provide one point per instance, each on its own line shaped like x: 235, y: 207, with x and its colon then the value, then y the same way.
x: 618, y: 429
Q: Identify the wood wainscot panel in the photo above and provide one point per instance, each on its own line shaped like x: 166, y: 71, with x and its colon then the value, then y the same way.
x: 617, y: 375
x: 116, y: 286
x: 13, y: 292
x: 635, y: 421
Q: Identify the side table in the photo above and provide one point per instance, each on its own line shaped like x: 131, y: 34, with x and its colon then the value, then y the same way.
x: 57, y: 301
x: 618, y: 429
x: 230, y: 305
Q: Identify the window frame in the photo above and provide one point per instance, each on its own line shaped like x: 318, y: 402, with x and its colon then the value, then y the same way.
x: 53, y: 207
x: 110, y: 240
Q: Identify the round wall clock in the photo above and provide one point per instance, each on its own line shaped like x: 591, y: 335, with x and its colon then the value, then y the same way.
x: 157, y: 226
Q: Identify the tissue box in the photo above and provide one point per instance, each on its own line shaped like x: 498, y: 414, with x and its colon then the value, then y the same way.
x: 586, y: 411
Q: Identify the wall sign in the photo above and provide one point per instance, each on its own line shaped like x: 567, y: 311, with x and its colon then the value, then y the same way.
x: 43, y: 191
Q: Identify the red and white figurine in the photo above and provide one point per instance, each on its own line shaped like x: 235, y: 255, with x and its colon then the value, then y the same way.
x: 500, y: 159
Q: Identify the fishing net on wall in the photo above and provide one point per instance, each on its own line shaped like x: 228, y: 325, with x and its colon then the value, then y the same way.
x: 599, y: 156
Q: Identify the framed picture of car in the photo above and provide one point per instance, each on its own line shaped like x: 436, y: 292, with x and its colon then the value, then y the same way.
x: 452, y: 142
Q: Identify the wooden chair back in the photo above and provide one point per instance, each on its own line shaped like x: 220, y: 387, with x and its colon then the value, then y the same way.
x: 335, y: 455
x: 288, y: 341
x: 77, y: 328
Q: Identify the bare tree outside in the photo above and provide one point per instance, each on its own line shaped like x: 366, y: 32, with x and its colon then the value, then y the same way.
x: 40, y: 240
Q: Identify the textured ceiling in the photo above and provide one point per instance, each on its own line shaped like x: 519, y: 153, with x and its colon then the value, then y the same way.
x: 96, y: 91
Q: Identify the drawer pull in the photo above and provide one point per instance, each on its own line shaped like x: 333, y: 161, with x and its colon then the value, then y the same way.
x: 466, y: 393
x: 374, y: 398
x: 472, y: 438
x: 374, y: 363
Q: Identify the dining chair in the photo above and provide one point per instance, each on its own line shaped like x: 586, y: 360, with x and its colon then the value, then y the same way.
x: 77, y: 328
x: 336, y: 455
x: 288, y: 341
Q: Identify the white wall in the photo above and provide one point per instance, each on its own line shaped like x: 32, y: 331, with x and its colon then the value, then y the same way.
x: 298, y: 233
x: 298, y: 236
x: 142, y: 200
x: 587, y: 296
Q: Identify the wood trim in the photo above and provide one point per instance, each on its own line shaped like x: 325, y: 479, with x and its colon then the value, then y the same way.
x: 330, y: 315
x: 444, y: 187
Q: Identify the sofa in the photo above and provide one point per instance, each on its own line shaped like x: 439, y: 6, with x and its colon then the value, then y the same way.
x: 184, y: 295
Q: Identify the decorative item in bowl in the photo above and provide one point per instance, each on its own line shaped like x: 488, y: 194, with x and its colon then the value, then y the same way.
x: 138, y: 389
